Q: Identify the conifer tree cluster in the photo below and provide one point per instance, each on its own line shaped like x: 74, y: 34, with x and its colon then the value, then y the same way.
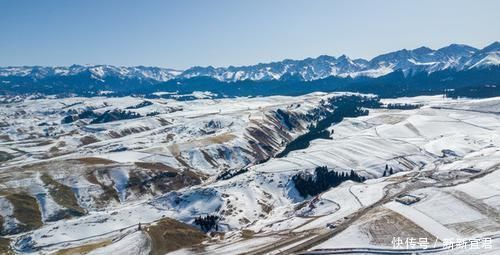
x: 207, y: 223
x: 332, y: 111
x: 404, y: 106
x: 388, y: 171
x: 113, y: 115
x: 231, y: 173
x: 322, y: 180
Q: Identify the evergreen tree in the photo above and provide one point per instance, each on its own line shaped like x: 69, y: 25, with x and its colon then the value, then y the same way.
x: 321, y: 180
x: 207, y: 223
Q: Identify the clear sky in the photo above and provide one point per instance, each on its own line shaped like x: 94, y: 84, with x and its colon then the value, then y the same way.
x: 184, y: 33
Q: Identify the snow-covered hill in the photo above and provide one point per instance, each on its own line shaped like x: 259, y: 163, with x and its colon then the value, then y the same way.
x: 423, y: 59
x: 78, y: 175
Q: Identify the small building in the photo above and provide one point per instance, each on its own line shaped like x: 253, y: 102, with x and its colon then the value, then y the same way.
x: 407, y: 199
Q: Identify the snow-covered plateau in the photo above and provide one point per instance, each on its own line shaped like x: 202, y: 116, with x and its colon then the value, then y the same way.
x: 130, y: 175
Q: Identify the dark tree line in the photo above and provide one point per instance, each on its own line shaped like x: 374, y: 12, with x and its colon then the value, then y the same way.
x: 207, y: 223
x: 108, y: 116
x: 404, y: 106
x: 140, y: 105
x: 322, y: 180
x: 114, y: 115
x: 343, y: 106
x: 285, y: 118
x: 231, y: 173
x: 475, y: 82
x: 76, y: 116
x: 483, y: 91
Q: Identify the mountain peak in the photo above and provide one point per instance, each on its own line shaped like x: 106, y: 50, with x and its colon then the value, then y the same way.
x: 343, y: 57
x: 324, y: 56
x: 495, y: 46
x: 421, y: 59
x: 457, y: 47
x: 422, y: 50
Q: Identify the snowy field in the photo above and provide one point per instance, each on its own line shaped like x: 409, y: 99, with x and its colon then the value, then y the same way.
x: 445, y: 154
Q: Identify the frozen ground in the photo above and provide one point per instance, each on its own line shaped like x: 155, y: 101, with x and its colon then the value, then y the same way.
x: 445, y: 153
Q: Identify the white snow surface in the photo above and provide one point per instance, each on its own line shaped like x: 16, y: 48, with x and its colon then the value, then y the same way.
x: 444, y: 135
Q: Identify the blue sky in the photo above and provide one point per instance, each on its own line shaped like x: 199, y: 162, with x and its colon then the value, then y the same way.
x: 184, y: 33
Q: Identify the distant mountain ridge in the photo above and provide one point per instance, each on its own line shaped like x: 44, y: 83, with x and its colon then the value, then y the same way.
x: 98, y: 72
x: 455, y: 56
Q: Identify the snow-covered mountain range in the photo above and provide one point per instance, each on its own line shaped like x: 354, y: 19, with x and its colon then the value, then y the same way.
x: 423, y: 59
x: 98, y: 72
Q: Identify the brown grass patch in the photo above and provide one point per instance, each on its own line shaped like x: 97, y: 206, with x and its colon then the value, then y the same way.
x: 5, y: 246
x: 155, y: 166
x: 96, y: 161
x: 26, y: 210
x: 247, y: 233
x: 109, y: 193
x: 265, y: 207
x: 43, y: 143
x: 113, y: 134
x: 5, y: 138
x: 222, y: 138
x: 63, y: 195
x: 169, y: 183
x: 243, y: 221
x: 170, y: 235
x: 88, y: 139
x: 170, y: 137
x: 84, y: 249
x: 182, y: 162
x: 209, y: 159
